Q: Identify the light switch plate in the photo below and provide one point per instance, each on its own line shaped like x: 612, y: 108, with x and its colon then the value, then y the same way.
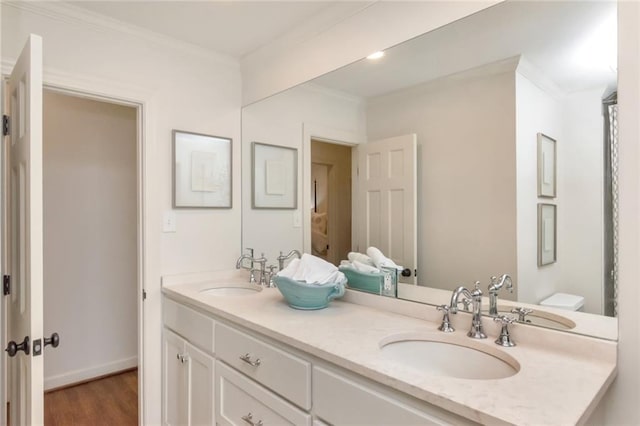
x: 169, y: 221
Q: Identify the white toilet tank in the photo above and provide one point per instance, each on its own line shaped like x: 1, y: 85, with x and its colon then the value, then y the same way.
x: 570, y: 302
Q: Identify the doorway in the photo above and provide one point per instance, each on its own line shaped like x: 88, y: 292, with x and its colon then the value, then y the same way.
x: 330, y: 200
x: 90, y: 174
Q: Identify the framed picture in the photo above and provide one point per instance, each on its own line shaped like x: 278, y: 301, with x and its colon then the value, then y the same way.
x: 201, y: 171
x: 546, y: 166
x: 547, y: 236
x: 275, y: 177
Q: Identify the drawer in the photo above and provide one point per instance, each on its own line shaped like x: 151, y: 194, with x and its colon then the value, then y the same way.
x: 242, y: 401
x: 196, y: 328
x: 280, y: 371
x: 338, y: 400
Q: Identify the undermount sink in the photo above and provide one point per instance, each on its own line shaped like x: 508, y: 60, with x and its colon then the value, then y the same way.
x: 448, y: 356
x: 231, y: 290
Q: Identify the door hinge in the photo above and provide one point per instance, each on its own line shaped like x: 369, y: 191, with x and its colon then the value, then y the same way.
x: 6, y: 284
x: 144, y: 294
x: 5, y: 125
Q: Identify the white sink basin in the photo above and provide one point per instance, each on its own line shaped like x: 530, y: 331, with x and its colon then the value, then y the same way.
x: 450, y: 356
x: 231, y: 290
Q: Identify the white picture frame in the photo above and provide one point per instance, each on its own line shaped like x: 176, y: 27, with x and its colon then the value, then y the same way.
x: 547, y: 234
x: 202, y: 171
x: 274, y: 177
x: 547, y: 166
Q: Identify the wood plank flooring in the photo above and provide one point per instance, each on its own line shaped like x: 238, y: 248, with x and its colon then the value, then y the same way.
x: 112, y: 400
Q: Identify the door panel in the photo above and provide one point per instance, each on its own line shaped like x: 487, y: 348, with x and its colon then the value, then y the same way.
x: 22, y: 236
x: 387, y: 199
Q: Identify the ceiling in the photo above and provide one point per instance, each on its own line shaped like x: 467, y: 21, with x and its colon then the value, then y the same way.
x: 234, y: 28
x: 571, y: 43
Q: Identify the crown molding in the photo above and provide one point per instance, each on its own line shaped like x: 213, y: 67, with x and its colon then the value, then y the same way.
x: 70, y: 14
x: 337, y: 94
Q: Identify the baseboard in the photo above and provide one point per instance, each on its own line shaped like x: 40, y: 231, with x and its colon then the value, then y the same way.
x: 78, y: 376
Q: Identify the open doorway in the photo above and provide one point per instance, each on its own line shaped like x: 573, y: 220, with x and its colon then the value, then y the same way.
x: 90, y: 173
x: 330, y: 200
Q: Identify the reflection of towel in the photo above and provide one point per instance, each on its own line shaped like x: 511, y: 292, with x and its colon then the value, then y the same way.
x: 361, y: 267
x: 362, y: 258
x: 319, y: 222
x: 319, y: 242
x: 312, y: 270
x: 380, y: 260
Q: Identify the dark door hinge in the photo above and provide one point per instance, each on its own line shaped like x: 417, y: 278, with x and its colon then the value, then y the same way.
x: 6, y: 284
x: 144, y: 294
x: 5, y: 125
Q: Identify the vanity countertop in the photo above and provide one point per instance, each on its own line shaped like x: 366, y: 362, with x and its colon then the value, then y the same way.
x: 561, y: 379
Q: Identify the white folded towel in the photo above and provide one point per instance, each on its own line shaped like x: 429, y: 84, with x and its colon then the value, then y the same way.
x: 361, y: 267
x: 363, y: 258
x: 312, y: 270
x: 380, y: 260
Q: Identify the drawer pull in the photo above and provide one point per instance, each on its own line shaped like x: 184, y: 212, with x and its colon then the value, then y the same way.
x: 249, y: 419
x: 247, y: 358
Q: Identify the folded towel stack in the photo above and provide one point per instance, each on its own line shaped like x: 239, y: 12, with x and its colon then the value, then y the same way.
x: 312, y: 270
x: 370, y: 262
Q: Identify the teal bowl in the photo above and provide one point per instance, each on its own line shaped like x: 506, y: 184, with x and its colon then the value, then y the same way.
x: 300, y: 295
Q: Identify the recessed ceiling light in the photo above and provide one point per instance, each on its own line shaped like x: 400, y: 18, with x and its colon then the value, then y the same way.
x: 376, y: 55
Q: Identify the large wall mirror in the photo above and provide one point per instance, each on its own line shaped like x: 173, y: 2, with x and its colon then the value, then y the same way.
x: 515, y: 98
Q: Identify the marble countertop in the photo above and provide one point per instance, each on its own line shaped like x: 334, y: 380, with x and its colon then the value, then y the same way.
x: 561, y: 378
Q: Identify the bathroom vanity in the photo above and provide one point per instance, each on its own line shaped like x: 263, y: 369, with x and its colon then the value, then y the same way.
x: 245, y: 357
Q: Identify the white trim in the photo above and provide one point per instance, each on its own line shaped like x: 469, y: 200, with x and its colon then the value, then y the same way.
x: 70, y: 14
x: 77, y: 376
x: 100, y: 90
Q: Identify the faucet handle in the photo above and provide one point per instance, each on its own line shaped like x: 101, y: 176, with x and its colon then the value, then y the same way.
x: 505, y: 338
x: 446, y: 326
x: 522, y: 313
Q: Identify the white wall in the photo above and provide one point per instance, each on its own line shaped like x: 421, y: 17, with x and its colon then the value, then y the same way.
x: 180, y: 87
x: 90, y: 259
x: 575, y: 121
x: 536, y: 112
x: 466, y: 172
x: 580, y: 187
x: 281, y: 120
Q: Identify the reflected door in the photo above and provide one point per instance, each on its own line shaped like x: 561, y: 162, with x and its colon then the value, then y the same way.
x: 386, y: 211
x: 22, y: 237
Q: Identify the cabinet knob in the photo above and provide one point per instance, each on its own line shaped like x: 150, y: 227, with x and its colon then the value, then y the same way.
x: 247, y: 358
x: 249, y: 419
x: 182, y: 358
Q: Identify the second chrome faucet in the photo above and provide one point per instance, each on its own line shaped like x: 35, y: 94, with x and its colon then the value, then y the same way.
x: 476, y: 331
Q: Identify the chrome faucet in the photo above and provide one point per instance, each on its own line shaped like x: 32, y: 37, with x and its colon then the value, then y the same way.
x: 252, y: 270
x: 476, y: 331
x: 494, y: 288
x: 282, y: 258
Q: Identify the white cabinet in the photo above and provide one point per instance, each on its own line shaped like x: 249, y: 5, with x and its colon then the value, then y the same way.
x: 241, y: 401
x: 342, y: 399
x: 252, y: 380
x: 282, y: 372
x: 188, y: 386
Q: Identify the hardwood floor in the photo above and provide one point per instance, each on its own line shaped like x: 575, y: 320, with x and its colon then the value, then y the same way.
x: 112, y: 400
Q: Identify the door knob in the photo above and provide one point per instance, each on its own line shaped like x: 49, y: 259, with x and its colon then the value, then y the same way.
x: 13, y: 347
x: 54, y: 340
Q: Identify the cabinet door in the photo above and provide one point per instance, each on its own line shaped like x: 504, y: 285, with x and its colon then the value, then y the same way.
x: 174, y: 380
x: 201, y: 386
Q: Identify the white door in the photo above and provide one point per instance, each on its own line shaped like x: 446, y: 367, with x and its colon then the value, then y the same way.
x: 22, y: 237
x: 386, y: 202
x: 174, y: 376
x: 201, y: 387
